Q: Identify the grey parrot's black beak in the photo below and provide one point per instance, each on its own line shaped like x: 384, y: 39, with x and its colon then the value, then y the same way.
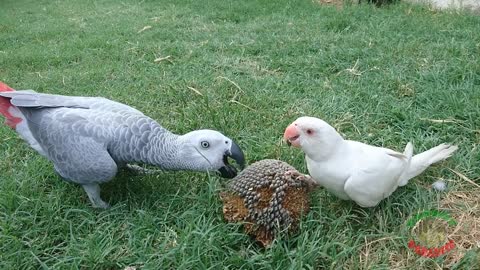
x: 229, y: 171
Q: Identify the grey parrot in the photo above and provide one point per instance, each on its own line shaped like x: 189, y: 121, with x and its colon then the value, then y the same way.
x: 88, y: 138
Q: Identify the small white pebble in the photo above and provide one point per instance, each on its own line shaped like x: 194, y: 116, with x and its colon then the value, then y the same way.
x: 439, y: 185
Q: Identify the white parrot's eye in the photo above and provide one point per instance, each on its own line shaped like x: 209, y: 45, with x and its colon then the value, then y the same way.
x: 309, y: 131
x: 205, y: 144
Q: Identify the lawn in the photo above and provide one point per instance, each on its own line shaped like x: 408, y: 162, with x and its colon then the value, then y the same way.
x: 383, y: 76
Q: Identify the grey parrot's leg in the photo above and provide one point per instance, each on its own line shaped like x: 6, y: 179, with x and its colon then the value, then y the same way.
x: 93, y: 192
x: 141, y: 170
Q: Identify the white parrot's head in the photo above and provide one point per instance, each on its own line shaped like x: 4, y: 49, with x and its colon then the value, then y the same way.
x: 209, y: 150
x: 315, y: 136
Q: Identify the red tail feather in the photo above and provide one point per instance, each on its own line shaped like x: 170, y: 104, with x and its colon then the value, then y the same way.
x: 5, y: 88
x: 5, y: 105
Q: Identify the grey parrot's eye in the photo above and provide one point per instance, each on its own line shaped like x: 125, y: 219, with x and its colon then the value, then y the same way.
x: 205, y: 144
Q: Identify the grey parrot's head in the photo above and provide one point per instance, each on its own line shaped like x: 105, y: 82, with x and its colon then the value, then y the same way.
x: 209, y: 150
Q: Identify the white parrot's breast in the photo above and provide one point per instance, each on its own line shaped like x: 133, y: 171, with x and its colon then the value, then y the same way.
x: 329, y: 176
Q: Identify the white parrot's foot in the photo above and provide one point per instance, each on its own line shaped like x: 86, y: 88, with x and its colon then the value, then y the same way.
x: 139, y: 169
x: 307, y: 179
x: 294, y: 174
x: 311, y: 183
x: 93, y: 192
x: 403, y: 182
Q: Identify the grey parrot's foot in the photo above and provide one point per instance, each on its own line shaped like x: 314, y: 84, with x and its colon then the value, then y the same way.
x: 141, y: 170
x: 93, y: 192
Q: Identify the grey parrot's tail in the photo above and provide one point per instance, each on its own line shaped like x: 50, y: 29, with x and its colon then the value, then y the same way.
x: 7, y: 109
x: 15, y: 119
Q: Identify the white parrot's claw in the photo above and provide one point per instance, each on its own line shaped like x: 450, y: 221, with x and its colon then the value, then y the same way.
x: 310, y: 181
x: 307, y: 179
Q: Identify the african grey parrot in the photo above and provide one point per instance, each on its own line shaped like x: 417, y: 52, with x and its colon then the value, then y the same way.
x: 89, y: 138
x: 353, y: 170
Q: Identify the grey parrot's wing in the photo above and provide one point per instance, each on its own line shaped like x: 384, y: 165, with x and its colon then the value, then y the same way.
x: 31, y: 99
x: 28, y: 98
x: 49, y: 116
x: 75, y: 140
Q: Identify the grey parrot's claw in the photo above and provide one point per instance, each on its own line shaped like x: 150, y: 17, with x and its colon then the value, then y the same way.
x: 93, y: 192
x: 139, y: 169
x: 101, y: 205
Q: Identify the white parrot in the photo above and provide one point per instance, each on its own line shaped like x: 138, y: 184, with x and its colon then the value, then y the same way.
x: 353, y: 170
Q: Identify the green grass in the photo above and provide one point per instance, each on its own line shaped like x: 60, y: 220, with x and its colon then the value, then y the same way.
x: 376, y: 74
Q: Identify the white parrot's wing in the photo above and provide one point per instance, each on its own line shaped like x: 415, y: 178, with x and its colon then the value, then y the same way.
x: 375, y: 175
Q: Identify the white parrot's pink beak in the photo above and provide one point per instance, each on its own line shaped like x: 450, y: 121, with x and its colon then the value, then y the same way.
x: 292, y: 136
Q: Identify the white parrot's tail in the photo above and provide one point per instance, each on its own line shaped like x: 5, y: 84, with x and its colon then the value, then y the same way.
x: 418, y: 163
